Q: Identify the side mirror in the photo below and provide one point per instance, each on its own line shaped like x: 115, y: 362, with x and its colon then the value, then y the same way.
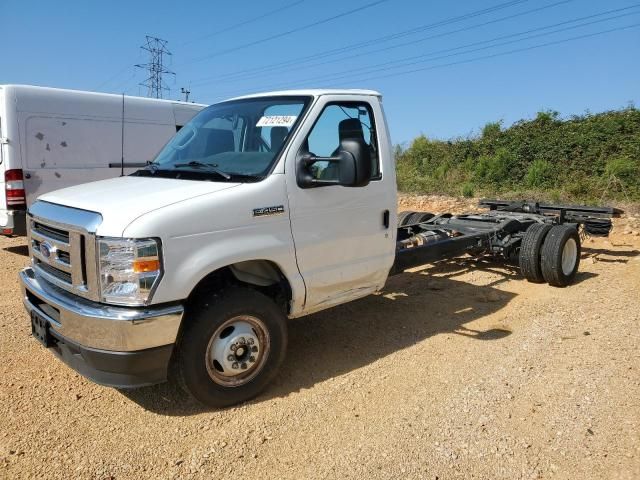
x: 353, y: 163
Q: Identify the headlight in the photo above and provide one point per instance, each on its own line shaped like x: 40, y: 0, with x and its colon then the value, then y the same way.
x: 129, y: 269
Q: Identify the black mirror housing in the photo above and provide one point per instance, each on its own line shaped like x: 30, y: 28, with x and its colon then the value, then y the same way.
x: 354, y: 166
x: 355, y: 163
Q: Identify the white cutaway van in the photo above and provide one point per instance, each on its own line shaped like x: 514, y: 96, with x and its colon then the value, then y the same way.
x: 52, y: 138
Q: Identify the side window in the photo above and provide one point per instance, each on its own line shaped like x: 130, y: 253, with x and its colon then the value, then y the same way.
x: 339, y: 121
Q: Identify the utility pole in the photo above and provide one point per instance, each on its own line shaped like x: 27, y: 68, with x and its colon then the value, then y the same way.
x: 185, y: 92
x: 157, y: 49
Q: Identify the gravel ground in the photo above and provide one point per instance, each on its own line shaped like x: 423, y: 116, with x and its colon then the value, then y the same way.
x: 460, y: 370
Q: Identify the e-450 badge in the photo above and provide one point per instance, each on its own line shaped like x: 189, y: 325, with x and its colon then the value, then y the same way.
x: 264, y: 211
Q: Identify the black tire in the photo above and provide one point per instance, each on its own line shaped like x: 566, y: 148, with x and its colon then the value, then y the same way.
x: 422, y: 217
x: 418, y: 217
x: 403, y: 217
x: 529, y: 258
x: 208, y: 316
x: 553, y: 255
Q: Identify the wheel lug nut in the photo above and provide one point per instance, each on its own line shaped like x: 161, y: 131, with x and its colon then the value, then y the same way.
x: 250, y: 341
x: 231, y: 358
x: 254, y: 349
x: 244, y: 366
x: 242, y: 341
x: 234, y: 347
x: 252, y: 358
x: 235, y: 365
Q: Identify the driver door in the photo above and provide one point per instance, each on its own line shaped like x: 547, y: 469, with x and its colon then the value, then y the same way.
x: 344, y: 249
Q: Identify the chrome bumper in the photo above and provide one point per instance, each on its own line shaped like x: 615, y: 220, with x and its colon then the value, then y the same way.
x: 99, y: 326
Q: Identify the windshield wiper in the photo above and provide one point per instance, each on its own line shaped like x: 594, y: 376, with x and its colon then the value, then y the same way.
x: 150, y: 167
x: 153, y: 166
x: 249, y: 176
x: 211, y: 166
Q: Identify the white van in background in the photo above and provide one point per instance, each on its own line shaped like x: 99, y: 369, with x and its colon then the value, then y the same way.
x: 52, y: 138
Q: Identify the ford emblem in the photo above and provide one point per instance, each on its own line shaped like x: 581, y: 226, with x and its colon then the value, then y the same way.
x: 45, y: 249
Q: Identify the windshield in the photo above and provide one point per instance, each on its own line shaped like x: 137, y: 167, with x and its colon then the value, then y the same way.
x: 238, y: 139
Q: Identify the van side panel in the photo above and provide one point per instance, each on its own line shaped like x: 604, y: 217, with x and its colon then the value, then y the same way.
x: 62, y: 151
x: 184, y: 113
x: 72, y: 137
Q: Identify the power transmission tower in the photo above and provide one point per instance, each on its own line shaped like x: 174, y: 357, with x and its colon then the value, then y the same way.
x: 157, y: 49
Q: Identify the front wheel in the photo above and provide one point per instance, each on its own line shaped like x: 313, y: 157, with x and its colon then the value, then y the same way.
x: 232, y: 347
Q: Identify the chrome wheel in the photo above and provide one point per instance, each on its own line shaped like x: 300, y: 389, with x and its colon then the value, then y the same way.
x: 569, y: 256
x: 237, y: 351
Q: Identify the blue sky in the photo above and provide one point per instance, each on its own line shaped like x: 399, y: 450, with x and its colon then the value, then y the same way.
x: 450, y: 91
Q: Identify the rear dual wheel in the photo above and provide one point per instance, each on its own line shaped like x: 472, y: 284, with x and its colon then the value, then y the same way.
x: 530, y: 264
x: 550, y: 254
x: 412, y: 218
x: 560, y: 256
x: 403, y: 217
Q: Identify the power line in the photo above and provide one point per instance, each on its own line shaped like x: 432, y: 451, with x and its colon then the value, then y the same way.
x: 119, y: 72
x: 243, y: 23
x: 110, y: 79
x: 363, y: 44
x: 374, y: 69
x: 326, y: 20
x: 432, y: 56
x: 285, y: 33
x: 124, y: 82
x: 277, y: 69
x: 509, y: 52
x: 157, y: 49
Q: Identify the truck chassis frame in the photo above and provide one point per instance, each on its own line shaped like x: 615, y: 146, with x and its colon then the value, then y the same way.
x: 497, y: 232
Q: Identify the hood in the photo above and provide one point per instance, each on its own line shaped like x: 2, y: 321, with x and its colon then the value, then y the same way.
x: 121, y: 200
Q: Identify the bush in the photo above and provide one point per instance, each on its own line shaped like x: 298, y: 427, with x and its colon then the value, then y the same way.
x: 573, y: 158
x: 467, y: 190
x: 491, y: 131
x: 494, y: 169
x: 622, y: 168
x: 540, y: 174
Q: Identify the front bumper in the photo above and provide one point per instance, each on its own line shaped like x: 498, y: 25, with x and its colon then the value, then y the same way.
x: 115, y: 346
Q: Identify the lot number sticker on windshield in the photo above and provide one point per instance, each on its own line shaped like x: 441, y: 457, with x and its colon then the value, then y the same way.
x: 277, y: 121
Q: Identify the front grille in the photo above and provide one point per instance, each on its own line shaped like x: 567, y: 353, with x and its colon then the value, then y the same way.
x: 55, y: 272
x: 64, y: 257
x: 57, y: 263
x: 60, y: 257
x: 62, y: 245
x: 51, y: 232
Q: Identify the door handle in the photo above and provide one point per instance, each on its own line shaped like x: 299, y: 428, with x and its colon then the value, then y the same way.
x: 385, y: 218
x: 27, y: 175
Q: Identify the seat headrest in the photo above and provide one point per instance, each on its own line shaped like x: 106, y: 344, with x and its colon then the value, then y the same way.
x: 350, y: 128
x: 278, y: 135
x: 220, y: 141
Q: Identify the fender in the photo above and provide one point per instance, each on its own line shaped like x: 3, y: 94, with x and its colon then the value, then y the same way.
x: 212, y: 232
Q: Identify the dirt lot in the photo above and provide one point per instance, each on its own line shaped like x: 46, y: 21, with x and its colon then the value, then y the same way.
x: 462, y: 370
